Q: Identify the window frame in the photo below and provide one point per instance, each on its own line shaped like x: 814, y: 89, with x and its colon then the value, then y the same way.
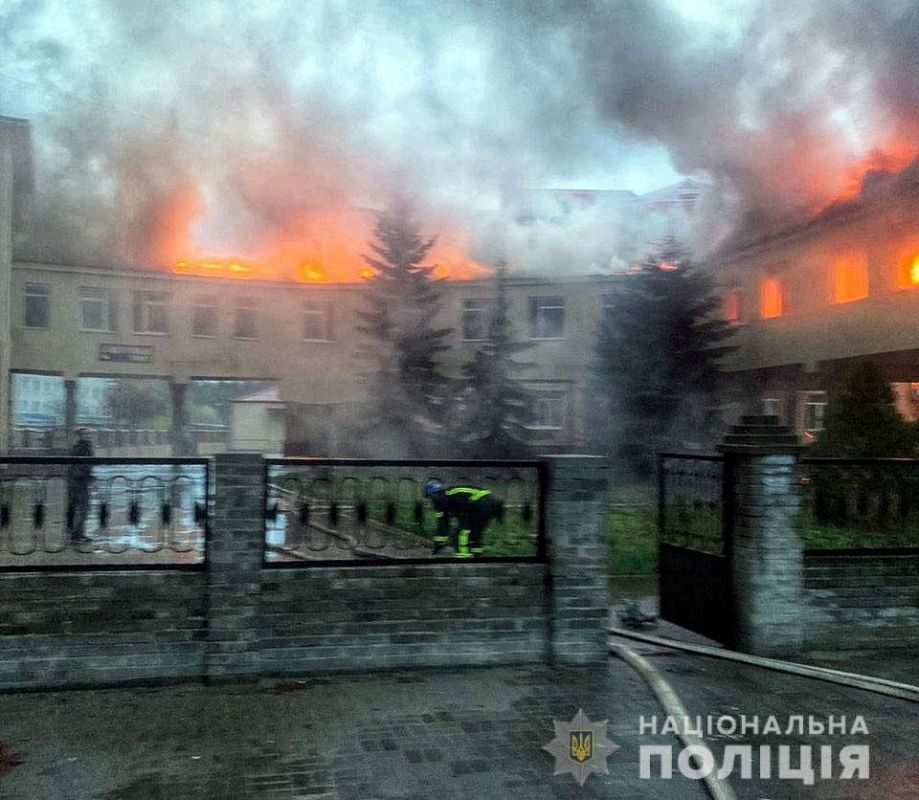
x: 733, y: 308
x: 541, y: 398
x: 245, y: 305
x: 107, y: 302
x: 538, y: 304
x: 321, y: 309
x: 485, y: 310
x: 847, y: 272
x: 778, y: 411
x: 814, y: 399
x: 29, y: 292
x: 143, y: 301
x: 782, y: 289
x: 196, y: 306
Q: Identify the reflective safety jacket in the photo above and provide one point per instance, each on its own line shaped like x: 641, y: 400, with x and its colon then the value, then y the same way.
x: 474, y: 507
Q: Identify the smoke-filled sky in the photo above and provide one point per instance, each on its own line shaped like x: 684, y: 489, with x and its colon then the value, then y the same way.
x: 163, y: 126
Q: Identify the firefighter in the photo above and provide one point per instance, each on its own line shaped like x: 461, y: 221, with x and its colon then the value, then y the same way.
x: 473, y: 509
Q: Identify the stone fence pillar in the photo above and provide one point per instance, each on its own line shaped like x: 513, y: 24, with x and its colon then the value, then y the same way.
x: 763, y: 540
x: 576, y: 530
x: 234, y: 568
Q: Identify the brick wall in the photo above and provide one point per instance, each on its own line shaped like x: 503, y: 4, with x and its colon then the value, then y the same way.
x: 60, y: 629
x: 237, y: 618
x: 327, y: 619
x: 861, y: 601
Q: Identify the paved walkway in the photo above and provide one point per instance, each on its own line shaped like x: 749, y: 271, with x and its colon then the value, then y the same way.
x: 474, y: 733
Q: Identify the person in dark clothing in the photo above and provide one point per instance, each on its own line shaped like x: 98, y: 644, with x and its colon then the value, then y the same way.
x: 472, y: 507
x: 79, y: 479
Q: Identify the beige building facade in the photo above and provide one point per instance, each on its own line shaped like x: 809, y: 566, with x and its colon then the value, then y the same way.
x: 78, y: 322
x: 811, y: 301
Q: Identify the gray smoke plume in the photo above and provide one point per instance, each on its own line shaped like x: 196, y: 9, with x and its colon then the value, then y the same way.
x: 268, y: 112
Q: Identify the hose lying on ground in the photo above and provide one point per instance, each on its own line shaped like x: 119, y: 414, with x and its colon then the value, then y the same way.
x: 717, y: 788
x: 903, y: 691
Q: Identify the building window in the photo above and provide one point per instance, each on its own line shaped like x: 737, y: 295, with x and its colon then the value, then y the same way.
x: 97, y: 309
x: 850, y: 279
x: 317, y: 322
x: 774, y: 407
x: 204, y: 315
x: 771, y: 298
x: 547, y: 317
x: 476, y: 319
x: 151, y: 312
x: 244, y: 318
x: 815, y: 404
x: 36, y: 305
x: 548, y: 412
x: 908, y: 269
x: 733, y: 308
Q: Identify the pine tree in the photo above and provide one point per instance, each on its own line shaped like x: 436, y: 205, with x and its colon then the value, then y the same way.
x: 861, y: 420
x: 403, y: 346
x: 657, y: 355
x: 497, y: 406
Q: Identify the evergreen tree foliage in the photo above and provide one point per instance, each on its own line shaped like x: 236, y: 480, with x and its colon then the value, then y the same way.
x: 861, y: 420
x: 496, y: 404
x: 403, y: 347
x: 657, y: 355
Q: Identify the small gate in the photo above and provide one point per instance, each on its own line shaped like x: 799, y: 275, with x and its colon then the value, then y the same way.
x: 695, y: 499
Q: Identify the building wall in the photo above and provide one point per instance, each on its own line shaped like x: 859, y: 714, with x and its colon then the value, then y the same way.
x: 6, y: 256
x: 861, y: 601
x: 815, y: 328
x: 311, y: 372
x: 828, y: 322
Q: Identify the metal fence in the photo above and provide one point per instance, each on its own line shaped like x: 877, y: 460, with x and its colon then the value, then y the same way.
x: 691, y: 501
x: 321, y: 511
x: 102, y: 513
x: 859, y: 503
x: 694, y: 516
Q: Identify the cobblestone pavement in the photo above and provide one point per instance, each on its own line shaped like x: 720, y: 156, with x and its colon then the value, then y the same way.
x: 474, y: 733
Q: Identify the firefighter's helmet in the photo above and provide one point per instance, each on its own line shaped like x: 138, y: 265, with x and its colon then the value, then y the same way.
x: 433, y: 487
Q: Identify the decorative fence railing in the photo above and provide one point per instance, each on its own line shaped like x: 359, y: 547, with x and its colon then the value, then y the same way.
x: 352, y: 510
x: 102, y: 513
x: 866, y: 503
x: 48, y: 440
x: 691, y: 501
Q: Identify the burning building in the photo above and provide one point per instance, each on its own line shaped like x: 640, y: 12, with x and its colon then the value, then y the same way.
x: 807, y: 300
x: 812, y: 298
x: 283, y: 321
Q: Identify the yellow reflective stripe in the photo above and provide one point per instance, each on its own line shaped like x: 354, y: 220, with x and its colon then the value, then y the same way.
x: 474, y: 494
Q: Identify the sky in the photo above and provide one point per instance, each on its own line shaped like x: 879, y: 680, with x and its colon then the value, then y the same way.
x: 263, y: 113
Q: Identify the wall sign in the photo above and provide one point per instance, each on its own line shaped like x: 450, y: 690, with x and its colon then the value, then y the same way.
x: 126, y: 353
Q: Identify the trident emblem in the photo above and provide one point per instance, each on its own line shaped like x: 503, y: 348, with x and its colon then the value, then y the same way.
x: 582, y: 746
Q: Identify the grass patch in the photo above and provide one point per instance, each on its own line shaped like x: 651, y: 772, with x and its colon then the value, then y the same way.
x: 817, y: 535
x: 632, y: 540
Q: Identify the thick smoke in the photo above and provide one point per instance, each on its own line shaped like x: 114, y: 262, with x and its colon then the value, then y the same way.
x: 254, y: 121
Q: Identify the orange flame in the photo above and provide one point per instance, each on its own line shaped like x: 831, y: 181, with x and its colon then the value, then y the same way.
x: 908, y: 268
x: 850, y: 278
x: 320, y: 247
